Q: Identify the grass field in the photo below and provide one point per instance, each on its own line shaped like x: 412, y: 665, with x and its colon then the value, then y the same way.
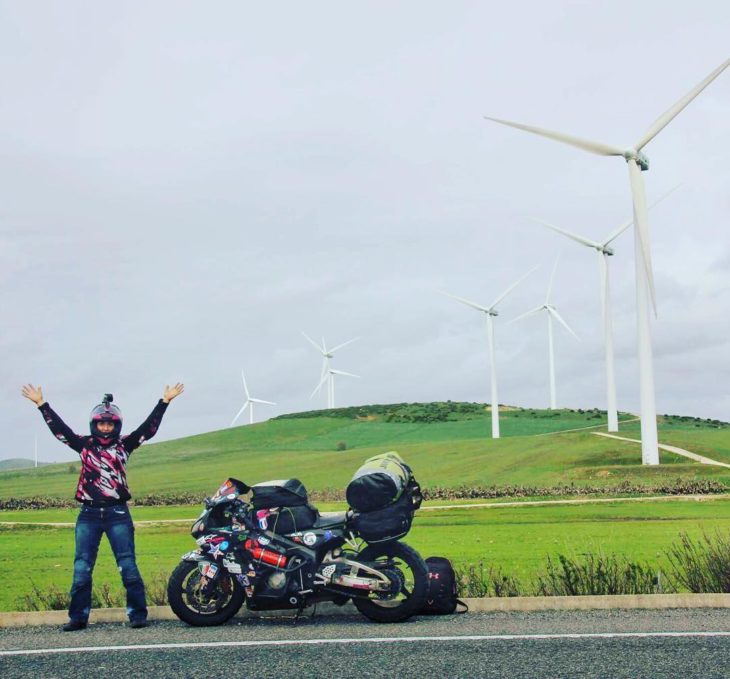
x: 515, y: 539
x: 538, y: 448
x: 444, y: 453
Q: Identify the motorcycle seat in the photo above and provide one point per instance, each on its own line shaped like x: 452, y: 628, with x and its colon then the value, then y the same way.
x: 330, y: 519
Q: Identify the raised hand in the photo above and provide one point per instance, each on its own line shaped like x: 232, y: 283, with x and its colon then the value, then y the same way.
x: 172, y: 392
x: 34, y: 394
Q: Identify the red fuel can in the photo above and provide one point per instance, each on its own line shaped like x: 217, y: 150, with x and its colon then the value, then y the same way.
x: 268, y: 556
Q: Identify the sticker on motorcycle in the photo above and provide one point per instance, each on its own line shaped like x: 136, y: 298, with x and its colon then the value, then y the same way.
x: 309, y: 539
x: 215, y: 551
x: 263, y: 540
x: 208, y: 570
x: 231, y: 566
x: 261, y: 517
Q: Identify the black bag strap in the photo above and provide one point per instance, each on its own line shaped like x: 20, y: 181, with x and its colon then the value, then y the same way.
x: 459, y: 602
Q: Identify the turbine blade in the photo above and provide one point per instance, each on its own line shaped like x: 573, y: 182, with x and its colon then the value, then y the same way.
x: 321, y: 350
x: 342, y: 372
x: 641, y: 220
x: 531, y: 312
x: 512, y: 287
x: 552, y: 279
x: 325, y: 377
x: 258, y: 400
x: 663, y: 120
x: 344, y: 344
x: 245, y: 387
x: 239, y: 413
x: 585, y: 144
x: 615, y: 234
x: 561, y: 320
x: 578, y: 239
x: 473, y: 305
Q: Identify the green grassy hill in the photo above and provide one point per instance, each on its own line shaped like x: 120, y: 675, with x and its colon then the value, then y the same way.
x: 447, y: 444
x: 18, y: 463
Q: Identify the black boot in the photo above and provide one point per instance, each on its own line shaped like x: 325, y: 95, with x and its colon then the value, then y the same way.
x: 73, y: 626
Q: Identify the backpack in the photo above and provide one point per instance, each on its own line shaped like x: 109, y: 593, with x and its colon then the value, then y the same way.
x: 441, y: 594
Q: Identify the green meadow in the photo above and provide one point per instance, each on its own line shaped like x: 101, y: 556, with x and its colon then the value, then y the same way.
x: 447, y: 445
x: 538, y: 447
x: 516, y: 540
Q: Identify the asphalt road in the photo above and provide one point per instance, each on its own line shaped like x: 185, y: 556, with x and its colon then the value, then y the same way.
x: 632, y: 644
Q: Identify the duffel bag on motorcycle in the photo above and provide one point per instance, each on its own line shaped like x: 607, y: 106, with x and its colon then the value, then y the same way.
x: 380, y: 481
x: 284, y: 493
x: 388, y: 523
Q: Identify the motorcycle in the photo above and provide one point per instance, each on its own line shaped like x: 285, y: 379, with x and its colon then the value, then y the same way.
x: 290, y: 557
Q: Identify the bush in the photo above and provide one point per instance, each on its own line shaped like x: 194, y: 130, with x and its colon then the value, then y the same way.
x: 341, y: 445
x: 596, y: 574
x: 51, y: 598
x: 474, y: 581
x: 669, y: 487
x: 702, y: 566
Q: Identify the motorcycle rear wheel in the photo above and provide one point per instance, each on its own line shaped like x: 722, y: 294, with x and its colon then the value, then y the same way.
x: 412, y: 573
x: 192, y: 606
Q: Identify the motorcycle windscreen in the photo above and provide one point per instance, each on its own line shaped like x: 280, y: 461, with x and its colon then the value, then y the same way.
x: 230, y: 489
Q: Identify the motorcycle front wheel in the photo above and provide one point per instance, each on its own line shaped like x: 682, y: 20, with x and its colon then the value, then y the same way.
x: 193, y: 606
x: 409, y: 574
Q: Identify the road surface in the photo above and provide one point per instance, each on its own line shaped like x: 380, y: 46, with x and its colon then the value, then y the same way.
x: 631, y: 644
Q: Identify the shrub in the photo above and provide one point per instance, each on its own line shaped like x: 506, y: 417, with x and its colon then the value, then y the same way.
x: 473, y: 581
x: 701, y: 566
x: 341, y: 445
x: 596, y: 574
x: 51, y: 598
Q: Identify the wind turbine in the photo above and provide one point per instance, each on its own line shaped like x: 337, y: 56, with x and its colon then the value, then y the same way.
x: 604, y: 252
x: 489, y: 312
x: 552, y: 312
x: 645, y: 297
x: 327, y: 374
x: 329, y: 378
x: 248, y: 403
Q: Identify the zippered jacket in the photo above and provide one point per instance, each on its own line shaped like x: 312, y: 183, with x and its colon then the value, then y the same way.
x: 103, y: 474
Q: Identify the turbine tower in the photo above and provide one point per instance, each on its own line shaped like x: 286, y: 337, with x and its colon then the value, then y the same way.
x: 604, y: 252
x: 552, y: 312
x: 645, y: 296
x: 248, y: 403
x: 329, y: 378
x: 327, y: 374
x: 489, y: 312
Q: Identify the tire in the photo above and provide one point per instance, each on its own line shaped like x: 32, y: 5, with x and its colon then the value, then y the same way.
x: 183, y: 593
x: 411, y: 570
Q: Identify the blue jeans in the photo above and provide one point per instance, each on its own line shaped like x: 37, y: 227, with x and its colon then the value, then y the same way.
x: 116, y: 522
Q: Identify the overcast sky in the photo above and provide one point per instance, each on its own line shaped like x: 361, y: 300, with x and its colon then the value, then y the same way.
x: 186, y: 187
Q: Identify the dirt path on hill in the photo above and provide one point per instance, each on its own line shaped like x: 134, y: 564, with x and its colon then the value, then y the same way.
x: 592, y: 426
x: 671, y: 449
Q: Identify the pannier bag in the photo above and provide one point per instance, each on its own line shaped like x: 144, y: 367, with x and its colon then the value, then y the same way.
x: 389, y: 523
x: 380, y: 481
x: 441, y: 594
x: 284, y: 493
